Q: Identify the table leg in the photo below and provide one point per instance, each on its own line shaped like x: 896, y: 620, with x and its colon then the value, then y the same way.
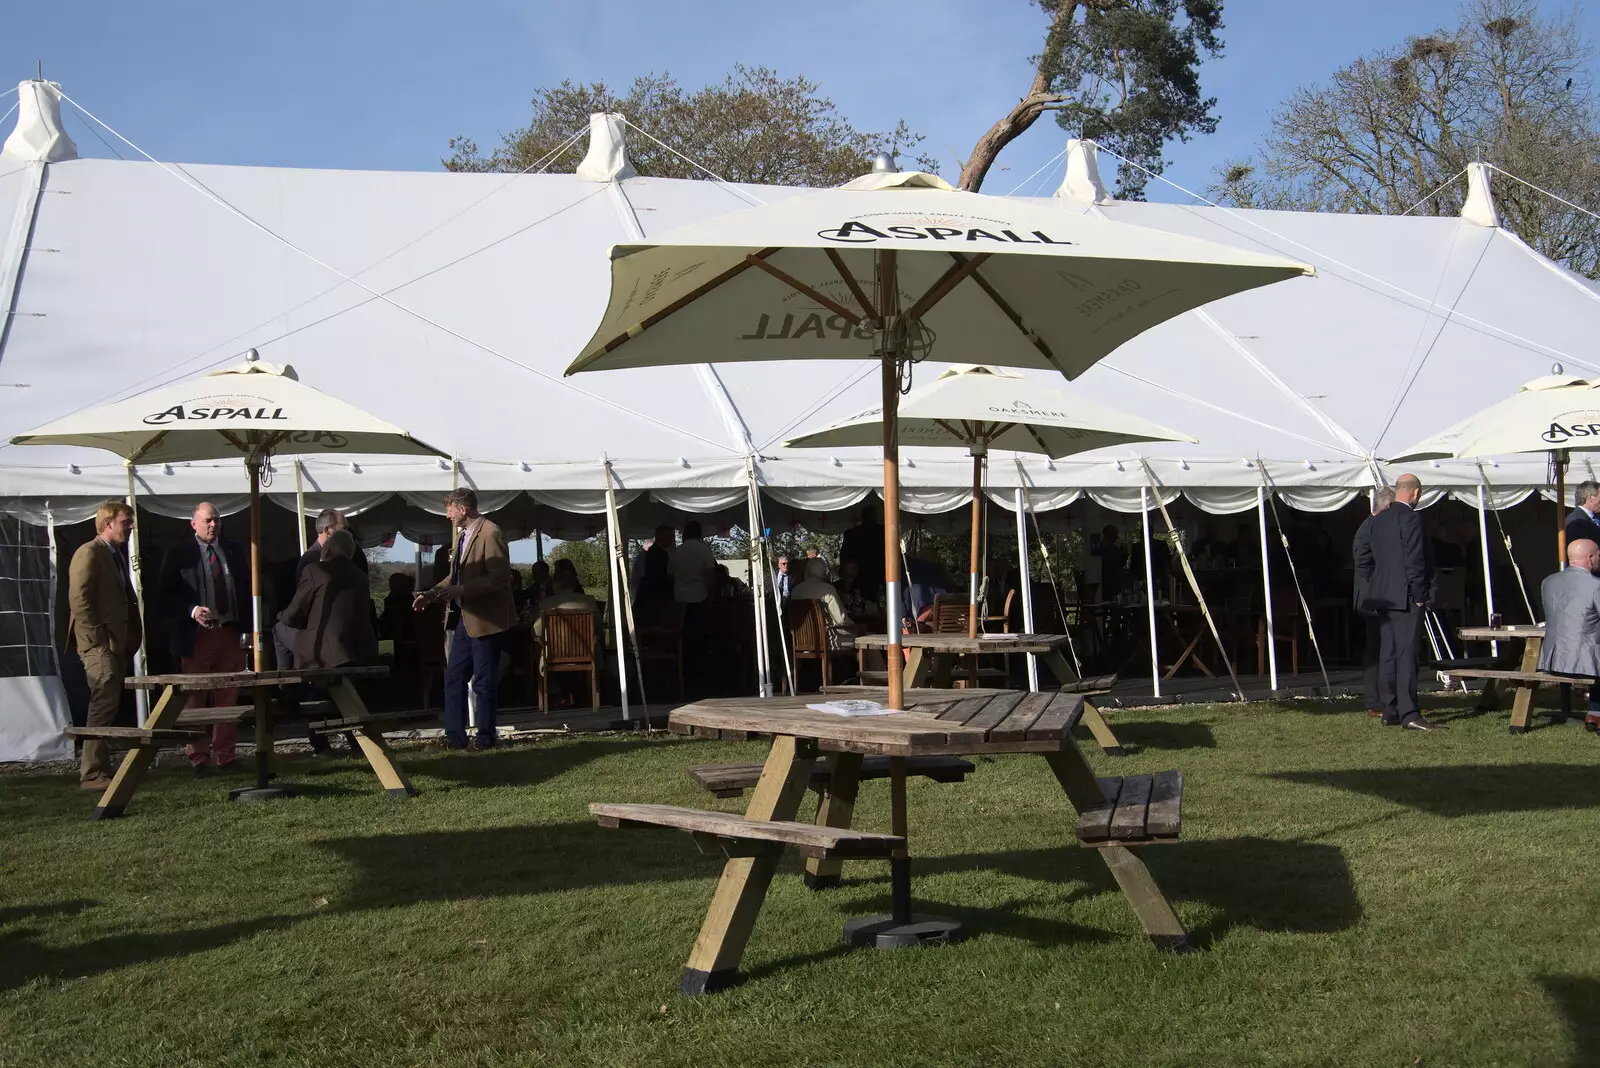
x: 836, y: 810
x: 917, y: 665
x: 1058, y: 666
x: 1155, y: 913
x: 714, y: 962
x: 944, y: 665
x: 1091, y: 718
x: 137, y: 761
x: 1522, y: 704
x: 370, y: 738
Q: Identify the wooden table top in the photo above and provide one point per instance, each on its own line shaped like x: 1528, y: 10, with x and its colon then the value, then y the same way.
x: 960, y: 643
x: 938, y: 722
x: 1490, y: 634
x: 229, y: 680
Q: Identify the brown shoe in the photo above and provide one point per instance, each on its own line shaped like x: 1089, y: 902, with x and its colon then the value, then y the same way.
x: 1374, y: 711
x: 97, y: 782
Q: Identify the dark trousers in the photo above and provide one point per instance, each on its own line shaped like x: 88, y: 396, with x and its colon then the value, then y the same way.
x: 473, y: 661
x: 1400, y: 634
x: 697, y: 658
x: 1371, y: 651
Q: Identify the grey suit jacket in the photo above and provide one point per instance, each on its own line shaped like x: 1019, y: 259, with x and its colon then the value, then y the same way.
x: 1572, y: 623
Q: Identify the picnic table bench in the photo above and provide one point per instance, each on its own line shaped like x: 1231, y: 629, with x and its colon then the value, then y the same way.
x: 1524, y: 680
x: 1116, y: 816
x: 166, y: 725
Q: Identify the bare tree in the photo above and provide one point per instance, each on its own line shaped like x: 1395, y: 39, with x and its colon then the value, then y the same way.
x: 754, y: 127
x: 1392, y: 131
x: 1125, y: 73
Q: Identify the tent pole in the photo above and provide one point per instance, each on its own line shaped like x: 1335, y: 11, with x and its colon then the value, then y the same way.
x: 300, y: 506
x: 616, y: 597
x: 1488, y: 575
x: 1149, y: 592
x: 891, y: 351
x: 1025, y: 586
x: 758, y: 582
x: 141, y: 697
x: 50, y: 535
x: 1266, y: 588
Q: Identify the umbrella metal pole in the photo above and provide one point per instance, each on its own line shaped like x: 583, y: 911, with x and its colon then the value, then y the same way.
x: 300, y: 506
x: 136, y: 572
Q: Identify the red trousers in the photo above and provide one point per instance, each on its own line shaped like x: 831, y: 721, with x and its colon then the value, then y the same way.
x: 216, y: 649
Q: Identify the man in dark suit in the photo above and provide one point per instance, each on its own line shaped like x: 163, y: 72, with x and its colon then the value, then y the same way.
x: 1397, y: 571
x: 1582, y: 523
x: 205, y: 594
x: 1372, y: 650
x: 863, y: 543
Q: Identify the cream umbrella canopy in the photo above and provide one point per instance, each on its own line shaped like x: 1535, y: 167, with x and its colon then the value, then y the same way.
x: 251, y: 411
x: 983, y: 408
x: 894, y: 266
x: 1554, y: 414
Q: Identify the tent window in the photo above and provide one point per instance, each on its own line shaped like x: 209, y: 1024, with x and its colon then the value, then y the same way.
x: 26, y: 645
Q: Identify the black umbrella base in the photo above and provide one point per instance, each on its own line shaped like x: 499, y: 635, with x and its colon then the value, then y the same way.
x: 920, y: 929
x: 261, y: 793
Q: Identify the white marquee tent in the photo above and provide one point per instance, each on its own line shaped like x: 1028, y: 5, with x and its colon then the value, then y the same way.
x: 451, y: 303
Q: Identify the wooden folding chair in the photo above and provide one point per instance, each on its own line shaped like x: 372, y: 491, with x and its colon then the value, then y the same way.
x: 661, y: 640
x: 568, y: 636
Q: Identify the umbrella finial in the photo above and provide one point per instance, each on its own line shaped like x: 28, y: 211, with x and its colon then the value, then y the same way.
x: 251, y: 356
x: 883, y: 163
x: 1557, y: 369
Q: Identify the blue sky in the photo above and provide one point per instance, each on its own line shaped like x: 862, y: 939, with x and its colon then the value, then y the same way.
x: 362, y: 84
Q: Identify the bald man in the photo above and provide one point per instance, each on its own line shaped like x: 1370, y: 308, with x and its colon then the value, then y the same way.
x: 205, y: 595
x: 1572, y: 620
x: 1397, y: 571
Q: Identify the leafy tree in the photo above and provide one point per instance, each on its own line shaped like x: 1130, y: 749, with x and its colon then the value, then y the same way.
x: 589, y: 559
x: 754, y: 127
x: 1390, y: 132
x: 1125, y: 73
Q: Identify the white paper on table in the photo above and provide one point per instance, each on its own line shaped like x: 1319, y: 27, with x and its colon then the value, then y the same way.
x: 853, y: 708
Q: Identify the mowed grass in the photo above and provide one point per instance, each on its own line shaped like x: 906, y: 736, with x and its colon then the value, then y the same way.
x: 1361, y: 896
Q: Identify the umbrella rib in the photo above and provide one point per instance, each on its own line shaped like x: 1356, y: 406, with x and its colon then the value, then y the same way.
x: 688, y: 298
x: 851, y: 283
x: 140, y: 452
x: 1010, y: 313
x: 800, y: 287
x: 1034, y: 434
x: 948, y: 281
x: 961, y: 435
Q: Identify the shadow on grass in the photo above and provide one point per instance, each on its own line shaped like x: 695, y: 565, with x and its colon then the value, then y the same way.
x: 1577, y: 996
x: 1154, y: 734
x: 23, y: 959
x: 1466, y: 790
x: 14, y: 913
x: 402, y: 869
x: 1264, y: 883
x: 521, y: 765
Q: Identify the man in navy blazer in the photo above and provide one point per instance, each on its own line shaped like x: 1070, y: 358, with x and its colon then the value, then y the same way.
x: 1582, y: 524
x: 205, y: 595
x: 1396, y: 569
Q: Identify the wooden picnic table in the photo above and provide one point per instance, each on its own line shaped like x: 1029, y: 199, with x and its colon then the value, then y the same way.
x: 1525, y: 678
x: 163, y: 725
x: 949, y: 723
x: 931, y: 661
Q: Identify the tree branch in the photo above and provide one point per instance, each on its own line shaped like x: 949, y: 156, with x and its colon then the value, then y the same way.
x: 1027, y: 111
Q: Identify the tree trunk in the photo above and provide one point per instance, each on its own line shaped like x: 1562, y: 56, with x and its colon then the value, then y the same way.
x: 1039, y: 100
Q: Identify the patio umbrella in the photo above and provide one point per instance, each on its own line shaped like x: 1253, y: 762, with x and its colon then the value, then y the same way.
x: 1554, y: 414
x: 894, y: 267
x: 251, y: 411
x: 979, y: 408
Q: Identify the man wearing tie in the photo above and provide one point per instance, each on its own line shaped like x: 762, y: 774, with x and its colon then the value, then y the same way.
x: 1396, y: 570
x: 104, y: 627
x: 205, y: 591
x: 480, y: 610
x: 1582, y: 522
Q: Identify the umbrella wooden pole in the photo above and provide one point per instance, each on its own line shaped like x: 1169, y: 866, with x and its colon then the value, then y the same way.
x: 263, y: 719
x: 889, y: 309
x: 1559, y: 458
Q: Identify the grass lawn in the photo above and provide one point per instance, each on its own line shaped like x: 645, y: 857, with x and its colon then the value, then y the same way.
x: 1362, y: 896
